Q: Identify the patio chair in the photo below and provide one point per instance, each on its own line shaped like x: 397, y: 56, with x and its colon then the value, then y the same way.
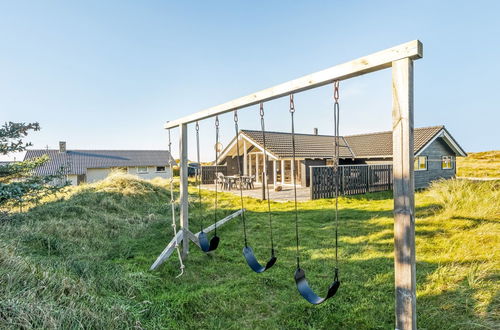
x: 232, y: 182
x: 219, y: 179
x: 249, y: 182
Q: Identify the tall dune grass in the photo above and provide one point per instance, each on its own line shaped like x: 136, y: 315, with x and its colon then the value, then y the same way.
x: 80, y: 260
x: 467, y: 198
x: 479, y: 165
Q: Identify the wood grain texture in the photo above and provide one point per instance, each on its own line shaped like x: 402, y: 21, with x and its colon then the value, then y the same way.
x: 404, y: 194
x: 221, y: 222
x: 374, y: 62
x: 168, y: 250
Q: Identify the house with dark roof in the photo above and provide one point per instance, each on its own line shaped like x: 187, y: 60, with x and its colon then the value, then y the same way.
x: 435, y: 151
x: 81, y: 166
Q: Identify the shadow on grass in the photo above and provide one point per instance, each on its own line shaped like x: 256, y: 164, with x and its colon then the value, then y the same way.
x: 477, y: 221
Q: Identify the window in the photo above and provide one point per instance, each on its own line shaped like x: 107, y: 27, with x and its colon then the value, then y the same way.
x: 421, y: 163
x: 142, y: 169
x: 160, y: 168
x: 447, y: 162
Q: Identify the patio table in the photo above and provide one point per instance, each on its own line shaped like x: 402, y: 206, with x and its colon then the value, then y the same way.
x: 235, y: 179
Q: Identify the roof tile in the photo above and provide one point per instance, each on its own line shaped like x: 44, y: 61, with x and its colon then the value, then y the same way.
x: 77, y: 161
x: 352, y: 146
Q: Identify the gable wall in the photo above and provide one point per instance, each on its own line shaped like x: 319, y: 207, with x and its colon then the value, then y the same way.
x: 434, y: 171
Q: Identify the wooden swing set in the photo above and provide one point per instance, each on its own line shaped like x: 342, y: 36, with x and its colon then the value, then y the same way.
x: 400, y: 60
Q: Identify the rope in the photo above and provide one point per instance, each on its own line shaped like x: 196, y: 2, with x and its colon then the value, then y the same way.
x: 216, y: 170
x: 198, y: 176
x: 336, y: 120
x: 172, y: 207
x: 242, y: 214
x: 292, y: 111
x: 266, y: 176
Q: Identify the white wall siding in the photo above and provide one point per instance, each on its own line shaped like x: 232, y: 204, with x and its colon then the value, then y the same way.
x: 151, y: 174
x: 73, y: 179
x: 97, y: 174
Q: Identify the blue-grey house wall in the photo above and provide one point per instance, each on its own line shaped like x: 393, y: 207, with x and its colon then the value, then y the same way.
x: 434, y: 152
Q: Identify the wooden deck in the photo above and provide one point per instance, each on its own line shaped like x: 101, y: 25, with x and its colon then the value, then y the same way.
x: 286, y: 195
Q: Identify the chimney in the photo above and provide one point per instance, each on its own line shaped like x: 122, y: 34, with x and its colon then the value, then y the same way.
x: 315, y: 131
x: 62, y: 146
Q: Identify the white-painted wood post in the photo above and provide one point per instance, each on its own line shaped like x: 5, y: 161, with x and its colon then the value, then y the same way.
x: 245, y: 155
x: 275, y: 174
x: 250, y: 164
x: 257, y: 174
x: 184, y: 195
x: 282, y: 172
x: 404, y: 194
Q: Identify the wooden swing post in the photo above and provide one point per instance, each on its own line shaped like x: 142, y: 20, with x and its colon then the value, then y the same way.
x: 400, y: 59
x: 183, y: 187
x: 404, y: 194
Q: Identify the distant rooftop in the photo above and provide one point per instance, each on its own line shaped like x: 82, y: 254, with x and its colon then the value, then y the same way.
x: 77, y: 161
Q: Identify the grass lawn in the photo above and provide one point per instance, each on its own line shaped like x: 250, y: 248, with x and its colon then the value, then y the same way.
x: 479, y: 165
x: 81, y: 261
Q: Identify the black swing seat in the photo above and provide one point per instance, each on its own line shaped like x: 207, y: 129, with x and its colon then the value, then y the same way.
x: 306, y: 291
x: 254, y: 264
x: 205, y: 245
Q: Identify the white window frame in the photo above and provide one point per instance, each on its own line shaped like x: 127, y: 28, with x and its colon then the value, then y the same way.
x: 418, y: 163
x: 163, y: 171
x: 443, y: 162
x: 142, y: 172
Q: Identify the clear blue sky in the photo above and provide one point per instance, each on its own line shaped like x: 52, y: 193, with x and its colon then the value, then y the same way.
x: 108, y: 74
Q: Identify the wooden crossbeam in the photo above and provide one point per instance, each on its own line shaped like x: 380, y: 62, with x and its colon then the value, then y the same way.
x: 374, y: 62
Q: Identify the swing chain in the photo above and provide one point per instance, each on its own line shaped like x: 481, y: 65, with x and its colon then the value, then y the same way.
x: 242, y: 214
x: 216, y: 170
x: 263, y: 128
x: 292, y: 111
x: 198, y: 175
x: 336, y: 96
x: 336, y: 120
x: 169, y: 142
x: 171, y: 182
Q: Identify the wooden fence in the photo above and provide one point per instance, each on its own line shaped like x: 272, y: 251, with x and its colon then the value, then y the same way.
x: 208, y: 173
x: 353, y: 180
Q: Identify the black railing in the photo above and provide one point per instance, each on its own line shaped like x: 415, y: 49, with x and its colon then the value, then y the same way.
x: 353, y: 180
x: 208, y: 173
